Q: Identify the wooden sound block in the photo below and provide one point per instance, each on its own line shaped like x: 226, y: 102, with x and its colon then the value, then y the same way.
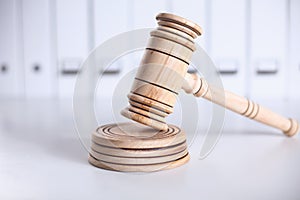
x: 137, y: 136
x: 135, y: 147
x: 137, y: 153
x: 139, y: 168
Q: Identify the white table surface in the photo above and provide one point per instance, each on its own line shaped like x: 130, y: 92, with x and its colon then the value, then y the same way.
x: 41, y: 157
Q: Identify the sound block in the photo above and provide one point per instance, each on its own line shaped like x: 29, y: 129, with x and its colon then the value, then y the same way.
x: 133, y: 147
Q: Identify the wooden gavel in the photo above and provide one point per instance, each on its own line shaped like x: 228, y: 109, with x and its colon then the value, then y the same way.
x: 163, y: 72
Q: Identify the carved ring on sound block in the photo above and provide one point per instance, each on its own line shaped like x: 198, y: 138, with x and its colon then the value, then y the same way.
x: 132, y: 147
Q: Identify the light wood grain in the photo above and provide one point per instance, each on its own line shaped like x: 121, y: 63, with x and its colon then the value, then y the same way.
x: 155, y: 67
x: 136, y: 136
x: 137, y: 160
x: 153, y: 103
x: 246, y: 108
x: 170, y: 47
x: 164, y: 72
x: 183, y: 30
x: 154, y: 92
x: 175, y: 31
x: 148, y: 108
x: 134, y: 147
x: 166, y: 34
x: 137, y: 153
x: 146, y: 120
x: 139, y: 168
x: 168, y: 17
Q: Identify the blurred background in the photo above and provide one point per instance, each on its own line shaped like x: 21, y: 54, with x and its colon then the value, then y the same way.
x: 254, y: 43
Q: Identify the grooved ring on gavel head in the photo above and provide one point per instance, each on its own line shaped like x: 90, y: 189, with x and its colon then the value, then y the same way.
x: 162, y: 70
x: 180, y: 21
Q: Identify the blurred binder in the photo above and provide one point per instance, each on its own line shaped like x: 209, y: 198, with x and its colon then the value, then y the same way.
x: 11, y: 72
x: 110, y: 19
x: 268, y: 47
x: 39, y: 58
x: 72, y: 42
x: 228, y: 42
x: 294, y: 72
x: 144, y: 12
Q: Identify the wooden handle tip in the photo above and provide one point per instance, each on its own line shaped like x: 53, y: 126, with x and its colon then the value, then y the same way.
x: 294, y: 128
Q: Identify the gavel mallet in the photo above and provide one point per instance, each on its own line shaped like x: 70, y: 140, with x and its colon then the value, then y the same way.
x: 162, y: 71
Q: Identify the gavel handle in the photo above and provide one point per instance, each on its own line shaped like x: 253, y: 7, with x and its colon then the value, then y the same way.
x: 243, y: 106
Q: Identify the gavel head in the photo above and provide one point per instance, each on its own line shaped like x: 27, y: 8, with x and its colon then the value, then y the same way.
x: 161, y: 73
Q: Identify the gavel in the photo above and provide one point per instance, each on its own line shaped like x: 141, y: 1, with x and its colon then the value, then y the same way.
x: 163, y: 72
